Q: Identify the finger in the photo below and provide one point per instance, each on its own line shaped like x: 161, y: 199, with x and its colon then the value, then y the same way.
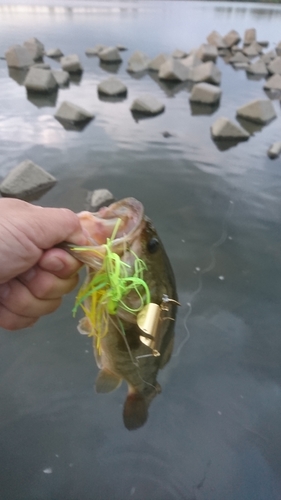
x: 45, y: 286
x: 16, y: 297
x: 12, y: 321
x: 59, y: 262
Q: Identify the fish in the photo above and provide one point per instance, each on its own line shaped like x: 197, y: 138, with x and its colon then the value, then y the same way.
x: 133, y: 334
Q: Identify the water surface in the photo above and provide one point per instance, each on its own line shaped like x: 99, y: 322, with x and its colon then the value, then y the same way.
x: 214, y: 432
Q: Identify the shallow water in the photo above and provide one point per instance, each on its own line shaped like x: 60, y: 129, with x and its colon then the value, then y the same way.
x: 214, y: 432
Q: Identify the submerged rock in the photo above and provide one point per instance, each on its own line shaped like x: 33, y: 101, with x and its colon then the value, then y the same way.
x: 110, y: 55
x: 62, y: 77
x: 112, y: 86
x: 206, y: 72
x: 223, y: 128
x: 259, y: 111
x: 174, y: 70
x: 71, y: 64
x: 40, y: 80
x: 157, y: 62
x: 275, y: 150
x: 273, y: 83
x: 148, y: 105
x: 26, y: 179
x: 54, y: 53
x: 72, y: 113
x: 18, y: 57
x: 232, y: 38
x: 138, y: 62
x: 250, y: 36
x: 35, y: 48
x: 205, y: 93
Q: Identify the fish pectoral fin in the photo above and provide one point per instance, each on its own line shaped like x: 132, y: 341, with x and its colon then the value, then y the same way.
x: 84, y: 326
x: 107, y: 381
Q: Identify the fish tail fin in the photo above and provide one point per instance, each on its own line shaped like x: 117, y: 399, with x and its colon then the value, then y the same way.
x: 135, y: 411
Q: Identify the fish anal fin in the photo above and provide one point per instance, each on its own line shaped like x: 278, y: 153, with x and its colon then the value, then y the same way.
x: 107, y: 381
x: 135, y: 411
x: 84, y: 326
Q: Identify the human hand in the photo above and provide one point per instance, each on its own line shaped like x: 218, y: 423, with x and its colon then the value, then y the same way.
x: 33, y: 275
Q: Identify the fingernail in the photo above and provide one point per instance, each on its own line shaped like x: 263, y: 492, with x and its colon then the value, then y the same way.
x: 4, y: 290
x: 28, y: 275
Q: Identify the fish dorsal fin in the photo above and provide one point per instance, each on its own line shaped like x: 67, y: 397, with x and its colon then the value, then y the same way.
x: 84, y: 326
x: 106, y: 381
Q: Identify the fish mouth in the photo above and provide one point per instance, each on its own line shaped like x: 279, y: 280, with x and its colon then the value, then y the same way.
x: 118, y: 226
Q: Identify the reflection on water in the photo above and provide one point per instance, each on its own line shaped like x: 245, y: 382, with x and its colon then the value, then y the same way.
x: 218, y: 411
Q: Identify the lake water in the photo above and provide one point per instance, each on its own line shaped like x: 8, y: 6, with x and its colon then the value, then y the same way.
x: 214, y: 432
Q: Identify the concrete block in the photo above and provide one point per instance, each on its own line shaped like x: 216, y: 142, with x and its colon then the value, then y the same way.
x: 138, y: 62
x: 62, y: 77
x: 40, y: 80
x: 71, y: 64
x: 157, y: 62
x: 278, y: 49
x: 148, y: 105
x: 273, y: 83
x: 232, y: 38
x: 206, y: 72
x: 112, y: 86
x: 191, y: 61
x: 275, y: 150
x: 238, y: 58
x: 258, y: 68
x: 259, y: 111
x: 18, y: 57
x: 207, y: 52
x: 35, y: 48
x: 94, y: 51
x: 252, y: 50
x: 274, y: 66
x: 110, y: 55
x: 174, y: 70
x: 216, y: 39
x: 250, y: 36
x: 72, y: 113
x: 25, y: 180
x: 205, y: 93
x: 54, y: 53
x: 223, y: 128
x: 179, y: 54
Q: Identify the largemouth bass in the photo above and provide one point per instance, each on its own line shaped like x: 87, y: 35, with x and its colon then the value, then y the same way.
x: 129, y: 299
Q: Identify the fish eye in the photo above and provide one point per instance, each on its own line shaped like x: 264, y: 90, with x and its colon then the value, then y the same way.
x: 152, y: 245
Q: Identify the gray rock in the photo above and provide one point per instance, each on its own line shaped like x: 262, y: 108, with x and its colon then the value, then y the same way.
x: 275, y: 66
x: 278, y: 49
x: 110, y: 55
x: 258, y: 68
x: 179, y: 54
x: 100, y: 198
x: 252, y: 50
x: 207, y: 52
x: 72, y: 113
x: 18, y: 57
x: 259, y: 111
x: 216, y: 39
x: 148, y: 105
x: 238, y: 58
x: 54, y: 53
x: 35, y: 48
x: 275, y: 150
x: 157, y: 62
x: 232, y: 38
x: 62, y: 77
x: 94, y: 51
x: 40, y: 80
x: 273, y: 83
x: 250, y: 36
x: 71, y: 64
x: 205, y: 93
x: 26, y: 179
x: 206, y: 72
x: 138, y: 62
x: 225, y: 129
x: 112, y: 86
x: 173, y: 70
x: 191, y: 61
